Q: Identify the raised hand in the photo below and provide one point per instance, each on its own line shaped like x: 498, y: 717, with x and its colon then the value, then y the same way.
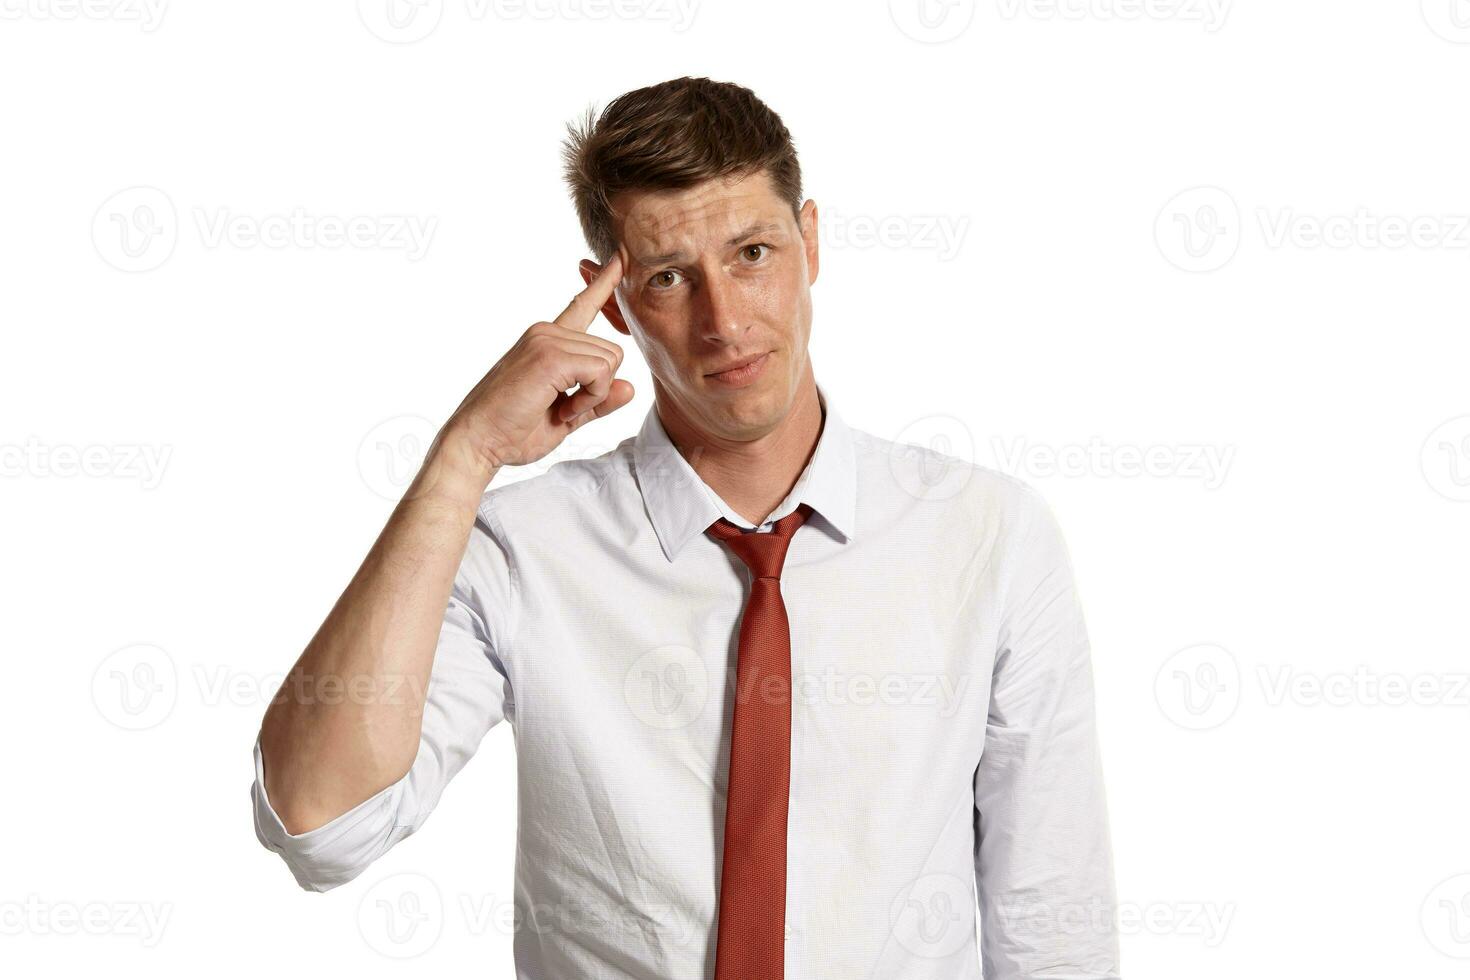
x: 520, y: 410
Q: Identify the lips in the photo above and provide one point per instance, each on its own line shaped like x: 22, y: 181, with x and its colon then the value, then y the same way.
x: 740, y: 363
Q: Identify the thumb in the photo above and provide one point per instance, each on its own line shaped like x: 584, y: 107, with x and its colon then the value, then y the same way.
x: 619, y: 393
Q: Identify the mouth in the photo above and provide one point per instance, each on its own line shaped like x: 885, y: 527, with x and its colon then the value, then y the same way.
x: 741, y: 371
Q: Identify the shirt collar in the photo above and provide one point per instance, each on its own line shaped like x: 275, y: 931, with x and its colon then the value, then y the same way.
x: 680, y: 504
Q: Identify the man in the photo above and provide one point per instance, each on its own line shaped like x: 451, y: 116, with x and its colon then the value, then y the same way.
x: 784, y: 705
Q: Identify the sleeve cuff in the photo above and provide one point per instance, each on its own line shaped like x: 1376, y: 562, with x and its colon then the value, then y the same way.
x: 337, y: 851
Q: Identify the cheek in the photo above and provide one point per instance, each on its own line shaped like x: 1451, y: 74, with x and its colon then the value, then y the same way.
x: 659, y: 319
x: 781, y: 296
x: 769, y: 294
x: 659, y: 328
x: 635, y: 314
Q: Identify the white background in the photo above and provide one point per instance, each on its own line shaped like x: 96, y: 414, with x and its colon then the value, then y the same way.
x: 1229, y: 239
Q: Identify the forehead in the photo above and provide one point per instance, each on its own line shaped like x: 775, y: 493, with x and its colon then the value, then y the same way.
x: 706, y: 214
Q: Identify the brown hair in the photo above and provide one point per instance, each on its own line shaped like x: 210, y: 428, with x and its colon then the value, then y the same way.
x: 670, y: 136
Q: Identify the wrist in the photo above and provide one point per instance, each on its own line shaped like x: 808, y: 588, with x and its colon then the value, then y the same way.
x: 454, y: 471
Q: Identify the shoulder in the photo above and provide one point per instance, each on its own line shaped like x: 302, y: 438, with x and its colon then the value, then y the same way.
x: 557, y: 488
x: 934, y: 472
x: 531, y: 516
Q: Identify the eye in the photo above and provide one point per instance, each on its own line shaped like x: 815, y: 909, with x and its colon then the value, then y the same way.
x: 759, y: 250
x: 665, y: 280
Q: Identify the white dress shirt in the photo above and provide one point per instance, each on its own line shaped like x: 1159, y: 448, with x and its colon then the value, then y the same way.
x: 943, y: 748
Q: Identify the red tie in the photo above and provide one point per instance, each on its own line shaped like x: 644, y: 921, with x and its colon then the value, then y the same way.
x: 751, y: 936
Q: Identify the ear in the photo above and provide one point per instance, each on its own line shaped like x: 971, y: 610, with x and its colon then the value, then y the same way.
x: 809, y: 240
x: 589, y: 270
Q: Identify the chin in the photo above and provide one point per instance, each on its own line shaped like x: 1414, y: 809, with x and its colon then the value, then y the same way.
x: 760, y: 406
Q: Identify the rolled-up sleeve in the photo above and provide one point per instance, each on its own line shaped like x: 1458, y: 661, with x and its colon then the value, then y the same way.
x: 1043, y: 859
x: 469, y: 693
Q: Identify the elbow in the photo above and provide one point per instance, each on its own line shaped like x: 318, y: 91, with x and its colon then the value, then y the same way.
x: 283, y: 789
x: 322, y: 846
x: 324, y: 852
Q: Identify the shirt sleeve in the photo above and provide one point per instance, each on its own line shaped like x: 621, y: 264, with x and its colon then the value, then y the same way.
x: 1043, y: 861
x: 468, y: 694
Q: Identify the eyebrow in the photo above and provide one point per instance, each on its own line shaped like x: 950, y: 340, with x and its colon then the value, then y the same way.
x: 732, y: 241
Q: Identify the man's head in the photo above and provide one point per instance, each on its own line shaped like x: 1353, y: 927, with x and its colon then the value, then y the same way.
x: 694, y: 186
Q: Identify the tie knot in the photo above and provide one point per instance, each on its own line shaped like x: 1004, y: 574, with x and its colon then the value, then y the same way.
x: 763, y: 553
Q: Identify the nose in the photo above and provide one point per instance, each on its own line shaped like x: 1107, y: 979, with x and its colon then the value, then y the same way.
x: 722, y: 317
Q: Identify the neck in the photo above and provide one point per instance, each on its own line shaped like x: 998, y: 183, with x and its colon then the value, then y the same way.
x: 753, y: 475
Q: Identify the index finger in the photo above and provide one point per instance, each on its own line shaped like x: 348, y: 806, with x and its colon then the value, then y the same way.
x: 582, y: 310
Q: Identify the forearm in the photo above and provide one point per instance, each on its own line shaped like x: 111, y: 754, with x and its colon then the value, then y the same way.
x: 346, y: 721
